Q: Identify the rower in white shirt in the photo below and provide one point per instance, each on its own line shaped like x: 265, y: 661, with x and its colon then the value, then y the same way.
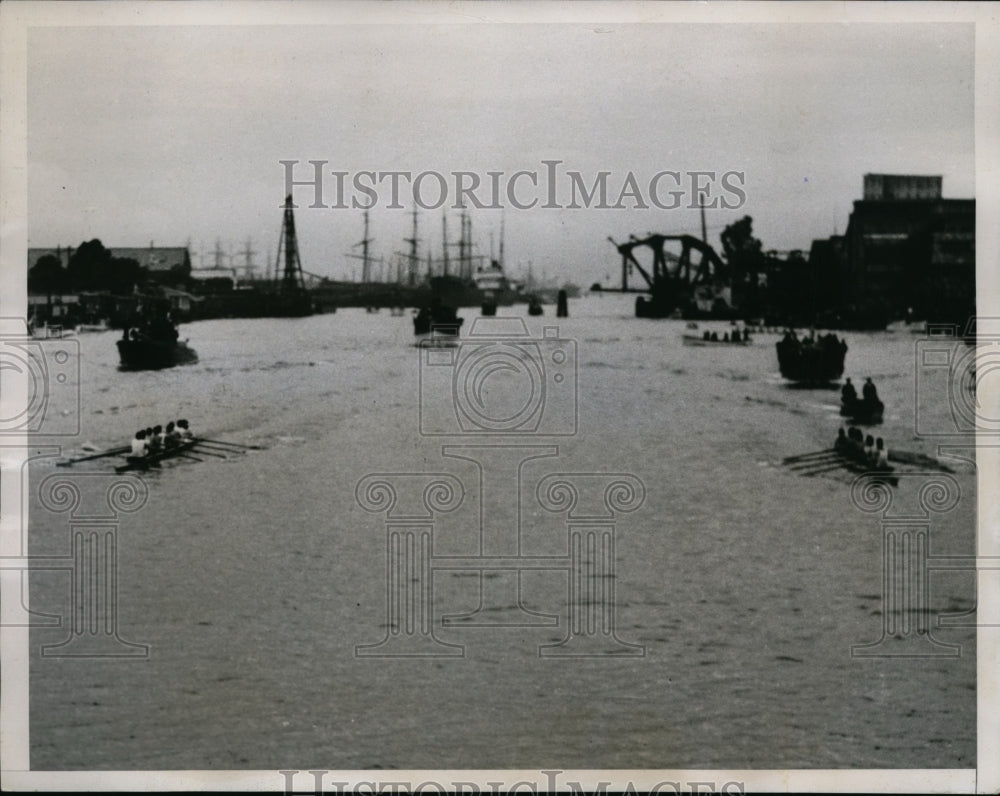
x: 184, y: 430
x: 139, y: 443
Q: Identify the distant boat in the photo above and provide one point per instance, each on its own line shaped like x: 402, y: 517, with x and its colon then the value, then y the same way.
x: 92, y: 327
x: 494, y: 286
x: 695, y: 340
x: 810, y: 361
x: 50, y: 332
x: 862, y: 412
x: 439, y: 320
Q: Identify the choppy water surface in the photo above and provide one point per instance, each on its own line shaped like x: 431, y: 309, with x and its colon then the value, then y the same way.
x: 253, y: 579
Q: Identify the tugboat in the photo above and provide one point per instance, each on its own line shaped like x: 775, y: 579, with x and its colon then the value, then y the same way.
x: 811, y: 360
x: 154, y: 346
x: 438, y: 318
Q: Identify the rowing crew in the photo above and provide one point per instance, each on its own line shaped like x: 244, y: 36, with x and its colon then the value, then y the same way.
x: 864, y: 450
x: 149, y: 441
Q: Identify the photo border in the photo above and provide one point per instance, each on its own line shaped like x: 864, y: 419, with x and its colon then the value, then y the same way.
x: 16, y: 18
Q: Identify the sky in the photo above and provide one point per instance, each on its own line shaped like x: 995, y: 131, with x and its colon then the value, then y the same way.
x: 174, y: 135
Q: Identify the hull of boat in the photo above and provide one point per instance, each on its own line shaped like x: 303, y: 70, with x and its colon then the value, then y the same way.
x: 690, y: 339
x: 863, y: 413
x: 153, y: 459
x: 154, y: 354
x: 811, y: 364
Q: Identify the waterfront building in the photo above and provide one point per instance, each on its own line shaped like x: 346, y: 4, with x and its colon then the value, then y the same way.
x: 907, y: 252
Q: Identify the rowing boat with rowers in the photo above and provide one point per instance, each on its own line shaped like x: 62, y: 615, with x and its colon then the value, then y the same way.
x: 183, y: 450
x: 828, y: 461
x: 153, y: 459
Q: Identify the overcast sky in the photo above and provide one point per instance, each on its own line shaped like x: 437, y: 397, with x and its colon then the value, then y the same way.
x: 174, y: 134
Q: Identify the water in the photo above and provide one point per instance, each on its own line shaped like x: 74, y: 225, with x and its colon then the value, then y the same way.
x: 253, y: 579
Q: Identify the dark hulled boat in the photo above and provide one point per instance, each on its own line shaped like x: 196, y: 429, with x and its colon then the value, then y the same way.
x: 811, y: 361
x: 439, y: 320
x: 145, y: 353
x: 863, y: 412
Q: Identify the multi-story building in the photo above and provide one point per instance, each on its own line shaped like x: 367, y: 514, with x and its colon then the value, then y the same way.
x: 907, y: 251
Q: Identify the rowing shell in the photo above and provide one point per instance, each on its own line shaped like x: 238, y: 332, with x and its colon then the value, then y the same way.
x: 838, y: 461
x: 154, y: 459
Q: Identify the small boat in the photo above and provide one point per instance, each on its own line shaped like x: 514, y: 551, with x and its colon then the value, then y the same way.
x: 154, y: 459
x: 51, y: 332
x: 693, y: 339
x: 863, y: 412
x: 82, y: 328
x: 810, y: 361
x: 439, y: 320
x: 146, y: 353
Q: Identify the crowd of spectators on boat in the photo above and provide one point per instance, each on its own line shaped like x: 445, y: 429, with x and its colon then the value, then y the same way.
x: 824, y: 342
x: 156, y: 439
x: 737, y: 336
x: 861, y: 449
x: 159, y: 327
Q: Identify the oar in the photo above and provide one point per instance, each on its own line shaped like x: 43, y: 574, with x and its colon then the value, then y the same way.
x: 216, y: 446
x: 189, y: 456
x: 124, y: 468
x: 812, y: 460
x: 827, y: 469
x: 112, y: 452
x: 234, y: 444
x: 208, y: 452
x: 814, y: 463
x: 800, y: 457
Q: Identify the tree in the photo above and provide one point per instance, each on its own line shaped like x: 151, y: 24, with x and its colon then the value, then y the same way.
x: 92, y: 267
x: 89, y: 266
x: 746, y: 260
x: 47, y: 276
